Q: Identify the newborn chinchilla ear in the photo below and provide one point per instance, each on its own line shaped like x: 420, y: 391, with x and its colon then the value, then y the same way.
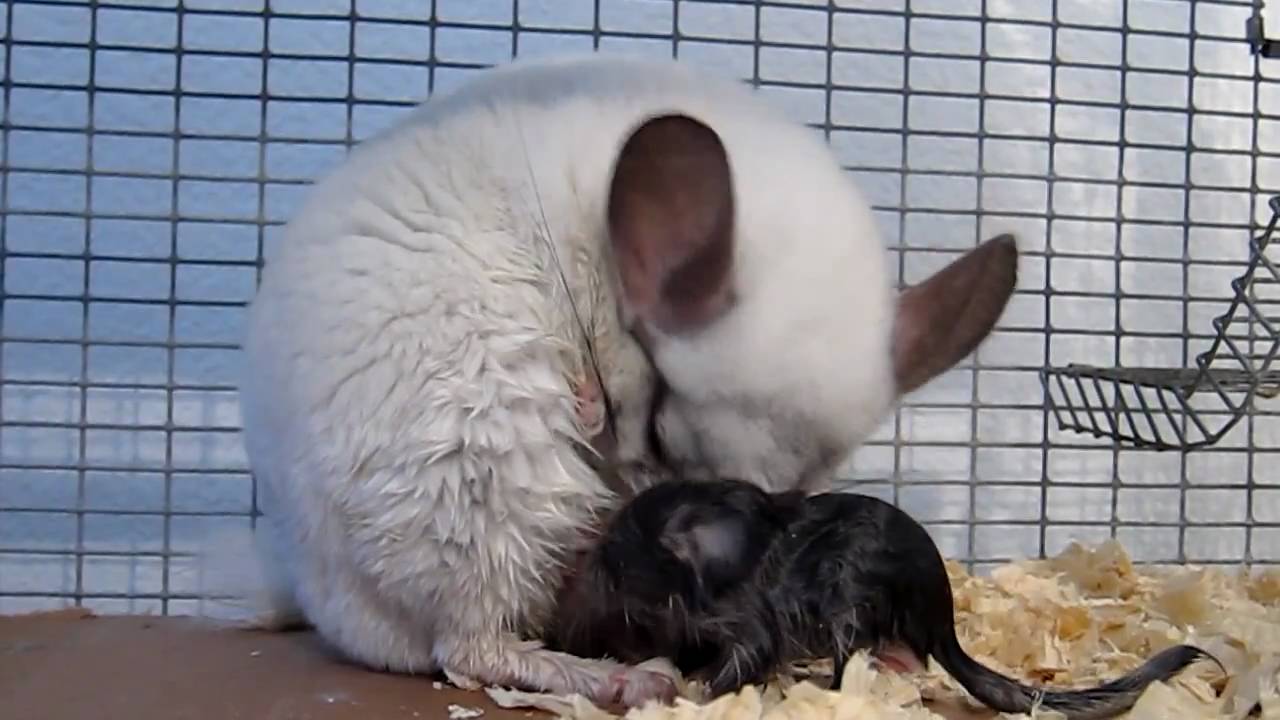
x: 722, y: 535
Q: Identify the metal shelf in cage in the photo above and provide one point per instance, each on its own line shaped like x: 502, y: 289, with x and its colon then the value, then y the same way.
x: 1186, y: 408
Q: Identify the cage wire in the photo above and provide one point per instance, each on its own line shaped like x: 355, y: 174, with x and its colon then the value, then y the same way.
x: 153, y: 148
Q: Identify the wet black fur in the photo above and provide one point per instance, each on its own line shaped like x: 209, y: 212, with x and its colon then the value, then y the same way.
x: 732, y: 583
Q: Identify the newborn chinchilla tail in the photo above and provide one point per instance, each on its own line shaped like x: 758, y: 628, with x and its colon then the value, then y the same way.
x: 1104, y: 701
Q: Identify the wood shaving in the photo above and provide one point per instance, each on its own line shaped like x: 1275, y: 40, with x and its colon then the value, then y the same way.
x: 1078, y: 619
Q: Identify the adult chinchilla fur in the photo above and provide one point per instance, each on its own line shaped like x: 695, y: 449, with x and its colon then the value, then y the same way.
x: 458, y: 308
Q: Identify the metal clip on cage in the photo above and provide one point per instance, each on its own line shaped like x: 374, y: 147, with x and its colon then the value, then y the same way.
x: 1185, y: 408
x: 1256, y: 30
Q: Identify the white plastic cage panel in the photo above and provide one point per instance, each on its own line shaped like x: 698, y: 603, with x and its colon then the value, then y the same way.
x: 152, y: 148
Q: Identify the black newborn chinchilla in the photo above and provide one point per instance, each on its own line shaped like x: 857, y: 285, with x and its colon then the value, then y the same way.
x: 732, y: 583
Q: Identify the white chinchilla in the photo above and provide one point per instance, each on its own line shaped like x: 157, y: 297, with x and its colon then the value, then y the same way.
x: 448, y: 318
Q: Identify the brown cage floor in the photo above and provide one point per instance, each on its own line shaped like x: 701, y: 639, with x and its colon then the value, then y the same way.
x: 71, y: 665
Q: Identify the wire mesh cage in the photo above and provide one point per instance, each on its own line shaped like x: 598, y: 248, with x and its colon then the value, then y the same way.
x: 152, y: 149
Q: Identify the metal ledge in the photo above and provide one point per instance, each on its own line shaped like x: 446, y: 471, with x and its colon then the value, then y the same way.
x: 1183, y: 408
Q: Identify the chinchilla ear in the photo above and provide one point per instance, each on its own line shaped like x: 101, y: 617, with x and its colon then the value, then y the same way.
x: 944, y: 318
x: 718, y: 545
x: 671, y: 224
x: 708, y: 542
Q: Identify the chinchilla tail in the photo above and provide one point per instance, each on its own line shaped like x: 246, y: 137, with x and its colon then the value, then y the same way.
x: 240, y: 580
x: 1108, y: 700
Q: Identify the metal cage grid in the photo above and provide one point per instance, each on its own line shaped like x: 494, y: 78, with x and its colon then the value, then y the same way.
x: 152, y: 148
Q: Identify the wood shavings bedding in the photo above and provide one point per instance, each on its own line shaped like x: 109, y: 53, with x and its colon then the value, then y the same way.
x: 1083, y: 617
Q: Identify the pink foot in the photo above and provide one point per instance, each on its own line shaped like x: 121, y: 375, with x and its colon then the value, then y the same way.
x: 590, y: 407
x: 898, y: 659
x: 630, y: 687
